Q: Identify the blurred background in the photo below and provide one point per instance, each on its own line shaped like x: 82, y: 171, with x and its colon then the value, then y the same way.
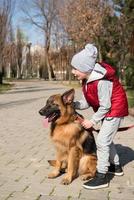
x: 39, y: 37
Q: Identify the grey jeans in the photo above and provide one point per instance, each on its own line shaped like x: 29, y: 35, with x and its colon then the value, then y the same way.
x: 106, y: 151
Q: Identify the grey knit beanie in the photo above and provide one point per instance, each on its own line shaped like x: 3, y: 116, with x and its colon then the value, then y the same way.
x: 85, y: 60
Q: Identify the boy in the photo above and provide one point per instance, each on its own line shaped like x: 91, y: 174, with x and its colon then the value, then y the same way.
x: 104, y: 93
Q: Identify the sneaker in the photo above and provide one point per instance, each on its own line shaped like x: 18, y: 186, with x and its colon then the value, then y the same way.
x: 99, y: 181
x: 115, y: 169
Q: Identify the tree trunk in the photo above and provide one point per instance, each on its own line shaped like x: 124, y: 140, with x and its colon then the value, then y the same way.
x: 99, y: 50
x: 1, y: 72
x: 121, y: 65
x: 19, y: 76
x: 48, y: 64
x: 1, y: 78
x: 9, y: 70
x: 49, y: 70
x: 38, y: 72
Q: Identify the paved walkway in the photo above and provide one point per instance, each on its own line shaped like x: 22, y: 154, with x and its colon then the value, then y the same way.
x: 25, y: 147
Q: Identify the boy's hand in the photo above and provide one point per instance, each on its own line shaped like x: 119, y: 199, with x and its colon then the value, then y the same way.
x: 87, y: 124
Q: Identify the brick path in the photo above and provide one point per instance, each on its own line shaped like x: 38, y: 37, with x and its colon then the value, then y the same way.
x: 25, y: 147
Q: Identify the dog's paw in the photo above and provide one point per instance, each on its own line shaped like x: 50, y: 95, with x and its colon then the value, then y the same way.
x: 53, y: 175
x: 85, y: 177
x: 66, y: 180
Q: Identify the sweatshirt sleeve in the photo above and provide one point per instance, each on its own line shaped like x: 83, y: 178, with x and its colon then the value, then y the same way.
x: 104, y: 95
x: 81, y: 104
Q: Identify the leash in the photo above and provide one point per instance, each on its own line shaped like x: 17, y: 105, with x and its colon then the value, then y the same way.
x: 125, y: 128
x: 80, y: 119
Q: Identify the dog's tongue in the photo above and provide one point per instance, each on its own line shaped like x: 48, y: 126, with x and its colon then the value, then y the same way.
x: 45, y: 122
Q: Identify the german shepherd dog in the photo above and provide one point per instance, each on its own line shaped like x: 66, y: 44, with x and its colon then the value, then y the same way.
x: 75, y: 146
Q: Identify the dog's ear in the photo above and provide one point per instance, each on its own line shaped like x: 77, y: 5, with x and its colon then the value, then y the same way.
x: 68, y: 96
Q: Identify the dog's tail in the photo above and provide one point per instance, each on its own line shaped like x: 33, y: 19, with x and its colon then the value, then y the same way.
x: 52, y: 162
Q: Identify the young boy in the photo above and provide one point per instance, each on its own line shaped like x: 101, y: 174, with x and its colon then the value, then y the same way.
x: 104, y: 93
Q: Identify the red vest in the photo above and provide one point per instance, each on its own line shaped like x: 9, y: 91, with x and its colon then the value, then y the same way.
x: 119, y: 105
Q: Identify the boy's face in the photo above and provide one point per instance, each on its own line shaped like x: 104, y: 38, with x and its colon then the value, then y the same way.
x: 79, y: 75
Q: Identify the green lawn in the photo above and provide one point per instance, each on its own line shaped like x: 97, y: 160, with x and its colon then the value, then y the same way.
x: 130, y: 96
x: 4, y: 87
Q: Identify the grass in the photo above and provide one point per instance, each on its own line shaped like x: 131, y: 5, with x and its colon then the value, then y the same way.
x: 4, y: 87
x: 130, y: 96
x: 72, y: 84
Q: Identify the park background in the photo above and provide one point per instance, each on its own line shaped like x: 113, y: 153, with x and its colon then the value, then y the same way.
x: 39, y: 37
x: 37, y: 41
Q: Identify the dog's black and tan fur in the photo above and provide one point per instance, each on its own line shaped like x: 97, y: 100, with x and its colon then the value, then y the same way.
x: 75, y: 146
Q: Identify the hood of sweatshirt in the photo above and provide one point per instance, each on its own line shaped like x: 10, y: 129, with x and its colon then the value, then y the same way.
x: 101, y: 71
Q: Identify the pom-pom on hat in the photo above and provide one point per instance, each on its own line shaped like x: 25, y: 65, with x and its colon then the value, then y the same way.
x: 84, y: 61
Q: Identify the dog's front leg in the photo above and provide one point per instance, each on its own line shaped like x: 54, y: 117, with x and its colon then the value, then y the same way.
x: 56, y: 170
x: 73, y: 164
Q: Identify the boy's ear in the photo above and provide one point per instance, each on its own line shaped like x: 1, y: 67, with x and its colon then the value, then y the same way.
x: 68, y: 96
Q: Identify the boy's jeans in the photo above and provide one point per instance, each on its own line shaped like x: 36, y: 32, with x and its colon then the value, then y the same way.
x: 106, y: 151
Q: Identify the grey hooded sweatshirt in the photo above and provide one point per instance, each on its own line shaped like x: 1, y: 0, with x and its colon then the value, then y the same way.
x: 104, y: 94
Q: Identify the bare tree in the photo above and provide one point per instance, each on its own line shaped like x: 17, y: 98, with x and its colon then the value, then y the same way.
x: 26, y: 60
x: 43, y: 14
x: 19, y: 49
x: 10, y: 56
x: 36, y: 60
x: 10, y: 59
x: 84, y: 24
x: 6, y: 12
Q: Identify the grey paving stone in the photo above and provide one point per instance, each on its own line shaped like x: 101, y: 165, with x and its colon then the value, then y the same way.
x: 25, y: 147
